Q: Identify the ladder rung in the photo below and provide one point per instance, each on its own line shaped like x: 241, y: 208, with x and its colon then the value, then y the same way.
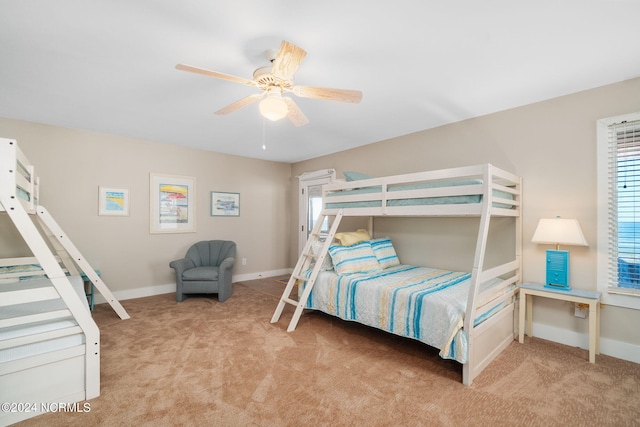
x: 316, y: 256
x: 300, y: 278
x: 290, y: 301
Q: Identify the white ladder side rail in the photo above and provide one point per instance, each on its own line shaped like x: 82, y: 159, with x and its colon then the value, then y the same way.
x: 302, y: 265
x: 57, y: 247
x: 38, y: 246
x: 316, y: 270
x: 46, y: 220
x: 303, y: 262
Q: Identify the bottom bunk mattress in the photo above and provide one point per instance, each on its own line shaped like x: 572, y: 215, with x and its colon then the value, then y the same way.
x: 422, y: 303
x: 44, y: 326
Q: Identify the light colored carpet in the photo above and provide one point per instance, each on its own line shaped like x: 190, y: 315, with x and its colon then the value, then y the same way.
x: 201, y: 362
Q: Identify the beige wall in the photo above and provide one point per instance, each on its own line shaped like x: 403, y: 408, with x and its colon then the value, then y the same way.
x: 552, y: 145
x: 73, y: 163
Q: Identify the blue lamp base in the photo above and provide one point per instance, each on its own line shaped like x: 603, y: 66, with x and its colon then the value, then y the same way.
x: 557, y: 270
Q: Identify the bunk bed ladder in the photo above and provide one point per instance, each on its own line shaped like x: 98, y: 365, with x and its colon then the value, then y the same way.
x: 307, y: 258
x: 62, y: 245
x: 38, y: 245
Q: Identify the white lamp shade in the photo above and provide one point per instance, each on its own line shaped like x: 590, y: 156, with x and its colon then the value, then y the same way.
x: 273, y: 107
x: 559, y: 231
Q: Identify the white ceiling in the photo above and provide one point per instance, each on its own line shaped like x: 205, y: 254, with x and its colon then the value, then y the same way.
x: 108, y: 65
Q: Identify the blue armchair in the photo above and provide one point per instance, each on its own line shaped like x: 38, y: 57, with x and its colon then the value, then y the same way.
x: 205, y: 269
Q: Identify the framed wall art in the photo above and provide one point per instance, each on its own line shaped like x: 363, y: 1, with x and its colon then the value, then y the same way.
x: 113, y: 201
x: 172, y: 203
x: 225, y: 204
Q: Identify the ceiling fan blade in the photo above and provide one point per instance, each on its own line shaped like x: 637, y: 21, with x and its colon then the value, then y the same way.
x: 341, y: 95
x: 295, y: 114
x: 240, y: 104
x: 287, y: 60
x: 215, y: 74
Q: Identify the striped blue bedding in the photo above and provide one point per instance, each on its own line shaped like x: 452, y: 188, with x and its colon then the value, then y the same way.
x: 422, y: 303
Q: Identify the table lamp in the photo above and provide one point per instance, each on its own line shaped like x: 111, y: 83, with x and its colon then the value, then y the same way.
x: 558, y: 231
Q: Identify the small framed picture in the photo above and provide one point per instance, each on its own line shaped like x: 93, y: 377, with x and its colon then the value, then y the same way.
x: 173, y: 203
x: 113, y: 201
x: 225, y: 204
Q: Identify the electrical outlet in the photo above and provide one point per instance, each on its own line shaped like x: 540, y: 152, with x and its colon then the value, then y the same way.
x: 244, y: 261
x: 582, y: 310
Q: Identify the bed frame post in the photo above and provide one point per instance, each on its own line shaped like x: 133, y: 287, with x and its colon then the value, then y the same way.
x: 487, y: 339
x: 7, y: 169
x: 478, y: 263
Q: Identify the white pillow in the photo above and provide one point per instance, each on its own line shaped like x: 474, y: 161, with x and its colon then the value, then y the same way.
x: 355, y: 176
x: 316, y: 250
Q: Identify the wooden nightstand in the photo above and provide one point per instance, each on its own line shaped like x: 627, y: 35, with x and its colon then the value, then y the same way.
x: 591, y: 298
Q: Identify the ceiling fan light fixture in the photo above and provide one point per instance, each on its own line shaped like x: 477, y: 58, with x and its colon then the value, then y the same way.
x: 275, y: 80
x: 273, y: 107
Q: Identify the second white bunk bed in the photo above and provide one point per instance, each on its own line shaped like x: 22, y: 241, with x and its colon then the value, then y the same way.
x: 49, y: 343
x: 482, y: 300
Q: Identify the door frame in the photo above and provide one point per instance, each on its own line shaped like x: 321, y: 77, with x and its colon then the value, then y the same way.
x: 306, y: 180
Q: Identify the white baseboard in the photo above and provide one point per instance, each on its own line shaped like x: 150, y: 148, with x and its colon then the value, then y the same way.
x: 138, y: 293
x: 613, y: 348
x: 253, y: 276
x: 171, y: 287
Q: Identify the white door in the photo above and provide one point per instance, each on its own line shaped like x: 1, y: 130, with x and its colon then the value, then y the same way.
x: 310, y: 185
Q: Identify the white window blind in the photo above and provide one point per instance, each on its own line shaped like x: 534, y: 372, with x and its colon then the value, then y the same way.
x: 624, y: 207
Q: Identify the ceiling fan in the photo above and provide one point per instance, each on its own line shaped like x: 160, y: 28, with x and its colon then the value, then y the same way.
x: 276, y: 80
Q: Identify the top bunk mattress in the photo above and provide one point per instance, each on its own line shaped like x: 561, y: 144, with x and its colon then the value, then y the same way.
x: 332, y: 199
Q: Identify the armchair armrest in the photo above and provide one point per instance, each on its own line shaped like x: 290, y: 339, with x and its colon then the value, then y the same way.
x: 227, y: 263
x: 180, y: 265
x: 224, y: 278
x: 224, y: 272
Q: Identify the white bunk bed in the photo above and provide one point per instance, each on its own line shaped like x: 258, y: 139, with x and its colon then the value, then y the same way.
x: 49, y: 343
x: 488, y: 300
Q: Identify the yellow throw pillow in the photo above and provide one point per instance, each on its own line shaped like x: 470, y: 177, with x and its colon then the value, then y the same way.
x: 349, y: 238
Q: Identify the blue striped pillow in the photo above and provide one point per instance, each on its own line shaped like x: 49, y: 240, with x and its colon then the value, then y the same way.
x: 358, y: 258
x: 385, y: 252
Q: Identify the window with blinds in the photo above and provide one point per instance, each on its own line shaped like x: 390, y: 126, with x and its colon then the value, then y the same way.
x: 624, y: 207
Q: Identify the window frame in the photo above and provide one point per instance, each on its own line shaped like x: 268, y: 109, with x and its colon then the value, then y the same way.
x: 610, y: 297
